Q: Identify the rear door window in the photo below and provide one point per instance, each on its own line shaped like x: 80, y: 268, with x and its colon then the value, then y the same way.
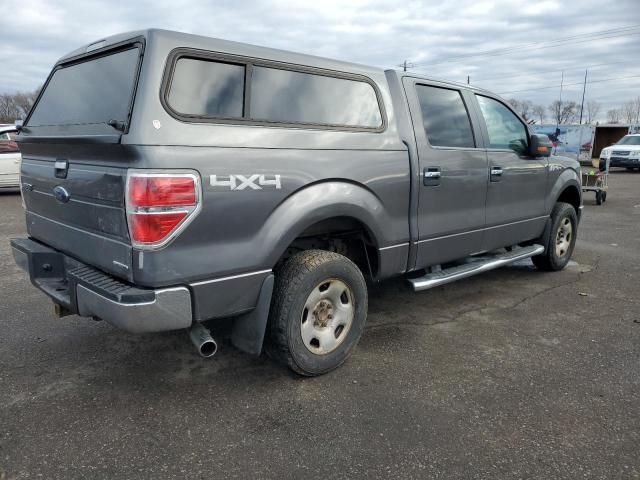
x: 505, y: 129
x: 93, y: 91
x: 207, y: 88
x: 445, y: 118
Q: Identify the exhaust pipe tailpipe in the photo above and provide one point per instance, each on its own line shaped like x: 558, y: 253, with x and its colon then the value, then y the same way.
x: 202, y: 340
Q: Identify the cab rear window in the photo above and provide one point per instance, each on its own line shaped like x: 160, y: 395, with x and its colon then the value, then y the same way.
x: 93, y: 91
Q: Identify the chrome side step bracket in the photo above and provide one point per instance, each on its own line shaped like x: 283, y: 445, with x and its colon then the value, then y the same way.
x: 474, y: 267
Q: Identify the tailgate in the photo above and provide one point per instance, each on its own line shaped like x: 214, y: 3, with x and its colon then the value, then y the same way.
x: 76, y: 205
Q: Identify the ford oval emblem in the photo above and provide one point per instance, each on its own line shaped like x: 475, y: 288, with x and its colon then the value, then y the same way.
x: 61, y: 194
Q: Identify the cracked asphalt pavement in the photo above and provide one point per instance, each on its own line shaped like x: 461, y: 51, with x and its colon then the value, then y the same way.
x: 512, y: 374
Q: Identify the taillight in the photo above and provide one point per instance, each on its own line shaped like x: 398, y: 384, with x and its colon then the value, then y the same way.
x: 160, y: 205
x: 161, y: 191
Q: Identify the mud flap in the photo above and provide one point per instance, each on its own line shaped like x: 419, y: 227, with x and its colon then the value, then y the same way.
x: 546, y: 235
x: 249, y: 329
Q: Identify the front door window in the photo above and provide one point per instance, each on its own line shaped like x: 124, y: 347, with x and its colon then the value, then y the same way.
x: 505, y: 129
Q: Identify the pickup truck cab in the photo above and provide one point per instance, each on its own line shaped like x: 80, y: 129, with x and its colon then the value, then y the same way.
x: 171, y: 179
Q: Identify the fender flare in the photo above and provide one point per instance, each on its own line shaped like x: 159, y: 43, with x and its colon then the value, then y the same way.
x: 317, y: 202
x: 568, y: 178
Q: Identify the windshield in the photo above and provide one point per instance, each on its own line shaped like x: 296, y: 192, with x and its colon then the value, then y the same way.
x: 91, y: 92
x: 630, y: 140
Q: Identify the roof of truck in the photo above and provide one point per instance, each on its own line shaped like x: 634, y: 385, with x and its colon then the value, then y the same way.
x: 175, y: 39
x: 446, y: 82
x: 181, y: 39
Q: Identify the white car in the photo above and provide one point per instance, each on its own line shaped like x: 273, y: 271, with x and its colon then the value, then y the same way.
x: 10, y: 158
x: 625, y: 153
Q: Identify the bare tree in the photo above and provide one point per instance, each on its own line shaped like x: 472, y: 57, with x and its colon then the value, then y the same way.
x: 523, y: 107
x: 592, y: 110
x: 563, y: 111
x: 629, y: 111
x: 24, y: 101
x: 539, y: 111
x: 636, y: 118
x: 614, y: 115
x: 8, y: 109
x: 14, y: 106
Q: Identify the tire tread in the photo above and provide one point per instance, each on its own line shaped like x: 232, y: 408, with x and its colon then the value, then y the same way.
x: 289, y: 279
x: 547, y: 261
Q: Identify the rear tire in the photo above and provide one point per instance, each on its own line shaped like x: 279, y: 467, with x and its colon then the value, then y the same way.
x: 561, y: 241
x: 318, y: 312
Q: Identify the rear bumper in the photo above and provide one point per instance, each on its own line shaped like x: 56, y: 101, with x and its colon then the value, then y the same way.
x: 83, y: 290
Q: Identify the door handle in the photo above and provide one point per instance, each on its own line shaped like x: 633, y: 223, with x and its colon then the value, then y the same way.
x: 61, y: 168
x: 495, y: 174
x: 431, y: 176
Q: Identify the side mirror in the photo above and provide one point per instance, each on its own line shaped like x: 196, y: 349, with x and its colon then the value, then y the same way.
x: 540, y: 145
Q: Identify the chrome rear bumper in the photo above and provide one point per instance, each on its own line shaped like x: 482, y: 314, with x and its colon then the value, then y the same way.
x: 83, y: 290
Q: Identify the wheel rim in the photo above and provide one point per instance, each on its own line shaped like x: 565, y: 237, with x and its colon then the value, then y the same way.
x: 564, y: 237
x: 327, y: 316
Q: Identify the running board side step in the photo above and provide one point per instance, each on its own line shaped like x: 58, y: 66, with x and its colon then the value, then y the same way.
x: 435, y: 279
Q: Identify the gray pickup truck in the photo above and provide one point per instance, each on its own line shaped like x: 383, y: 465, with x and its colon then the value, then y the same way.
x: 170, y: 179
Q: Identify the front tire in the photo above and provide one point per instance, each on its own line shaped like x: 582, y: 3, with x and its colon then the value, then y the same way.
x: 318, y: 312
x: 561, y: 241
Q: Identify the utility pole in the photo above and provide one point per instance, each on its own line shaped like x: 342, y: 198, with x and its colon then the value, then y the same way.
x: 584, y: 88
x: 560, y: 106
x: 561, y: 85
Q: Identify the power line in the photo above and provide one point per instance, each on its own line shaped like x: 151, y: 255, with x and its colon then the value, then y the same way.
x: 483, y: 79
x: 582, y: 38
x: 539, y: 45
x: 570, y: 84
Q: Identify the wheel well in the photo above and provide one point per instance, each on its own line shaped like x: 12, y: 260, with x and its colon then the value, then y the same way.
x: 344, y: 235
x: 571, y: 195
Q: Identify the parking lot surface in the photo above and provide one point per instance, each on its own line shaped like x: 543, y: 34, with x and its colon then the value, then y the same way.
x: 512, y: 374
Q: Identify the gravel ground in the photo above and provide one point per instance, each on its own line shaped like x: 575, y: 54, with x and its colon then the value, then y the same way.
x: 512, y: 374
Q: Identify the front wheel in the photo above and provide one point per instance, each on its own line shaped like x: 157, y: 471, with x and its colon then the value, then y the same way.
x: 561, y: 241
x: 318, y: 311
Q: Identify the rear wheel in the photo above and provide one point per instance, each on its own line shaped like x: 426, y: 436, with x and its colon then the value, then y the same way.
x: 561, y: 241
x: 318, y: 311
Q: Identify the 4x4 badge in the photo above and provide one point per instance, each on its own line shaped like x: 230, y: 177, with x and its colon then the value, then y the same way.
x: 241, y: 182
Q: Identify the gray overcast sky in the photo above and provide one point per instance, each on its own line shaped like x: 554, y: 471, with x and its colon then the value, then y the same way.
x: 430, y: 34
